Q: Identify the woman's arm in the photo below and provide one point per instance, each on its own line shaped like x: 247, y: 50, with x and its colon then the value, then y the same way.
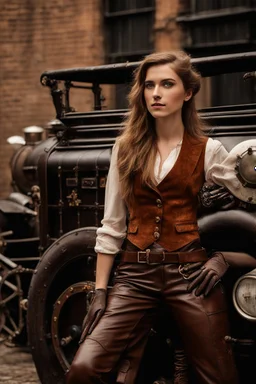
x: 211, y: 195
x: 215, y: 153
x: 111, y: 235
x: 103, y: 270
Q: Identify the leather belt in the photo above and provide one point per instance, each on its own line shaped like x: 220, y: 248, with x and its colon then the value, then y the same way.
x: 149, y: 257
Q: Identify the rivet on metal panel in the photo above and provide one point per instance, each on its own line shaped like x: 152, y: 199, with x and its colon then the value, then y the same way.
x: 103, y: 182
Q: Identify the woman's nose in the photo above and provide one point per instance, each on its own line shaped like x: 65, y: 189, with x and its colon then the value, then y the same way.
x: 156, y: 97
x: 156, y: 93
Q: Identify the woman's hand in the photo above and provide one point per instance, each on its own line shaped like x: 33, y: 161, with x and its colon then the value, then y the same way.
x: 213, y: 196
x: 208, y: 275
x: 96, y: 309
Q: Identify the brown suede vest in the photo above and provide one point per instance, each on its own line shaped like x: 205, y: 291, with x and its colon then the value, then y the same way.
x: 168, y: 214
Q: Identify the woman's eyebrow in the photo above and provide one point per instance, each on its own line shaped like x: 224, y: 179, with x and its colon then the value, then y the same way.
x: 169, y: 79
x: 152, y: 81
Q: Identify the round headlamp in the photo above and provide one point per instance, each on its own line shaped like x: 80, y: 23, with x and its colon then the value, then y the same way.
x: 244, y: 295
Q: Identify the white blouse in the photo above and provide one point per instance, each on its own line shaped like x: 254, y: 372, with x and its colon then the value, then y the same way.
x: 113, y: 231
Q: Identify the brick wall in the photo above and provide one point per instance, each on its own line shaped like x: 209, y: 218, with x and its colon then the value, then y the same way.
x: 37, y: 36
x: 167, y: 34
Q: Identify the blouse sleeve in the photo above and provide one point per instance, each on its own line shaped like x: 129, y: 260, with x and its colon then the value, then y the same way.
x: 113, y: 231
x: 215, y: 153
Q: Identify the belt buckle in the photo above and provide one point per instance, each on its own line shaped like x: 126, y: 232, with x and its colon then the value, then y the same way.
x: 147, y: 253
x: 183, y: 274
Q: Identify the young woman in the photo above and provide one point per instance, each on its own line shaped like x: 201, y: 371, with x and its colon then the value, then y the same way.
x: 159, y: 163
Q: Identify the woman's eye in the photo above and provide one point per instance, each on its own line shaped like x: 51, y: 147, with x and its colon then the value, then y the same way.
x: 149, y: 86
x: 168, y: 84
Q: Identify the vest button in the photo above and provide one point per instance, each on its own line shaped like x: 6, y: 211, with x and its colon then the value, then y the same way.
x: 158, y: 203
x: 156, y: 235
x: 156, y: 229
x: 158, y: 219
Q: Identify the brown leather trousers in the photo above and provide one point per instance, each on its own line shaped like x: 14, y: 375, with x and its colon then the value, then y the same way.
x: 128, y: 319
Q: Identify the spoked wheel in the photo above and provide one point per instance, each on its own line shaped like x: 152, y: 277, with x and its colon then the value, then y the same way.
x: 57, y: 302
x: 12, y: 301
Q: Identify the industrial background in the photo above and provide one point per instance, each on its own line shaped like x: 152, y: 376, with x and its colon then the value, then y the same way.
x: 42, y: 35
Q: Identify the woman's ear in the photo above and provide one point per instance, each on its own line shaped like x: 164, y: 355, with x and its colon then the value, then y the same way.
x: 188, y: 95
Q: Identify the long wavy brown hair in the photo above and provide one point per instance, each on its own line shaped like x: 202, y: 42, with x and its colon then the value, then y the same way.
x: 138, y: 142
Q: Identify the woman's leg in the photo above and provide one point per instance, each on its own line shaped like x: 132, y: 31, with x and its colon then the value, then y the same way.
x: 203, y: 326
x: 124, y: 326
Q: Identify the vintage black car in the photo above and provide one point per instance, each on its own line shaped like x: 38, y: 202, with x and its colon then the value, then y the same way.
x: 70, y: 170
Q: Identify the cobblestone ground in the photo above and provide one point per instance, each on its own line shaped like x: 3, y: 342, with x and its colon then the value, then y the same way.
x: 16, y: 366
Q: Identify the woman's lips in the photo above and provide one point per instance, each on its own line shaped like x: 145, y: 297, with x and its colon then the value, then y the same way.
x: 157, y: 105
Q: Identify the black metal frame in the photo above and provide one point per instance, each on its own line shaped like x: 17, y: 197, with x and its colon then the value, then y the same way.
x: 123, y: 73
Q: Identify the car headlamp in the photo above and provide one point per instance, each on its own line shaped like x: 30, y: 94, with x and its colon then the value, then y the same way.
x: 244, y: 295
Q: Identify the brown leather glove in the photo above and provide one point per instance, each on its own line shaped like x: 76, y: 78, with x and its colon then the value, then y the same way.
x: 208, y: 275
x: 96, y: 309
x: 213, y: 196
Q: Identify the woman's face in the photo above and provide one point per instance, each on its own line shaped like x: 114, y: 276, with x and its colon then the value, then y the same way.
x: 164, y: 92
